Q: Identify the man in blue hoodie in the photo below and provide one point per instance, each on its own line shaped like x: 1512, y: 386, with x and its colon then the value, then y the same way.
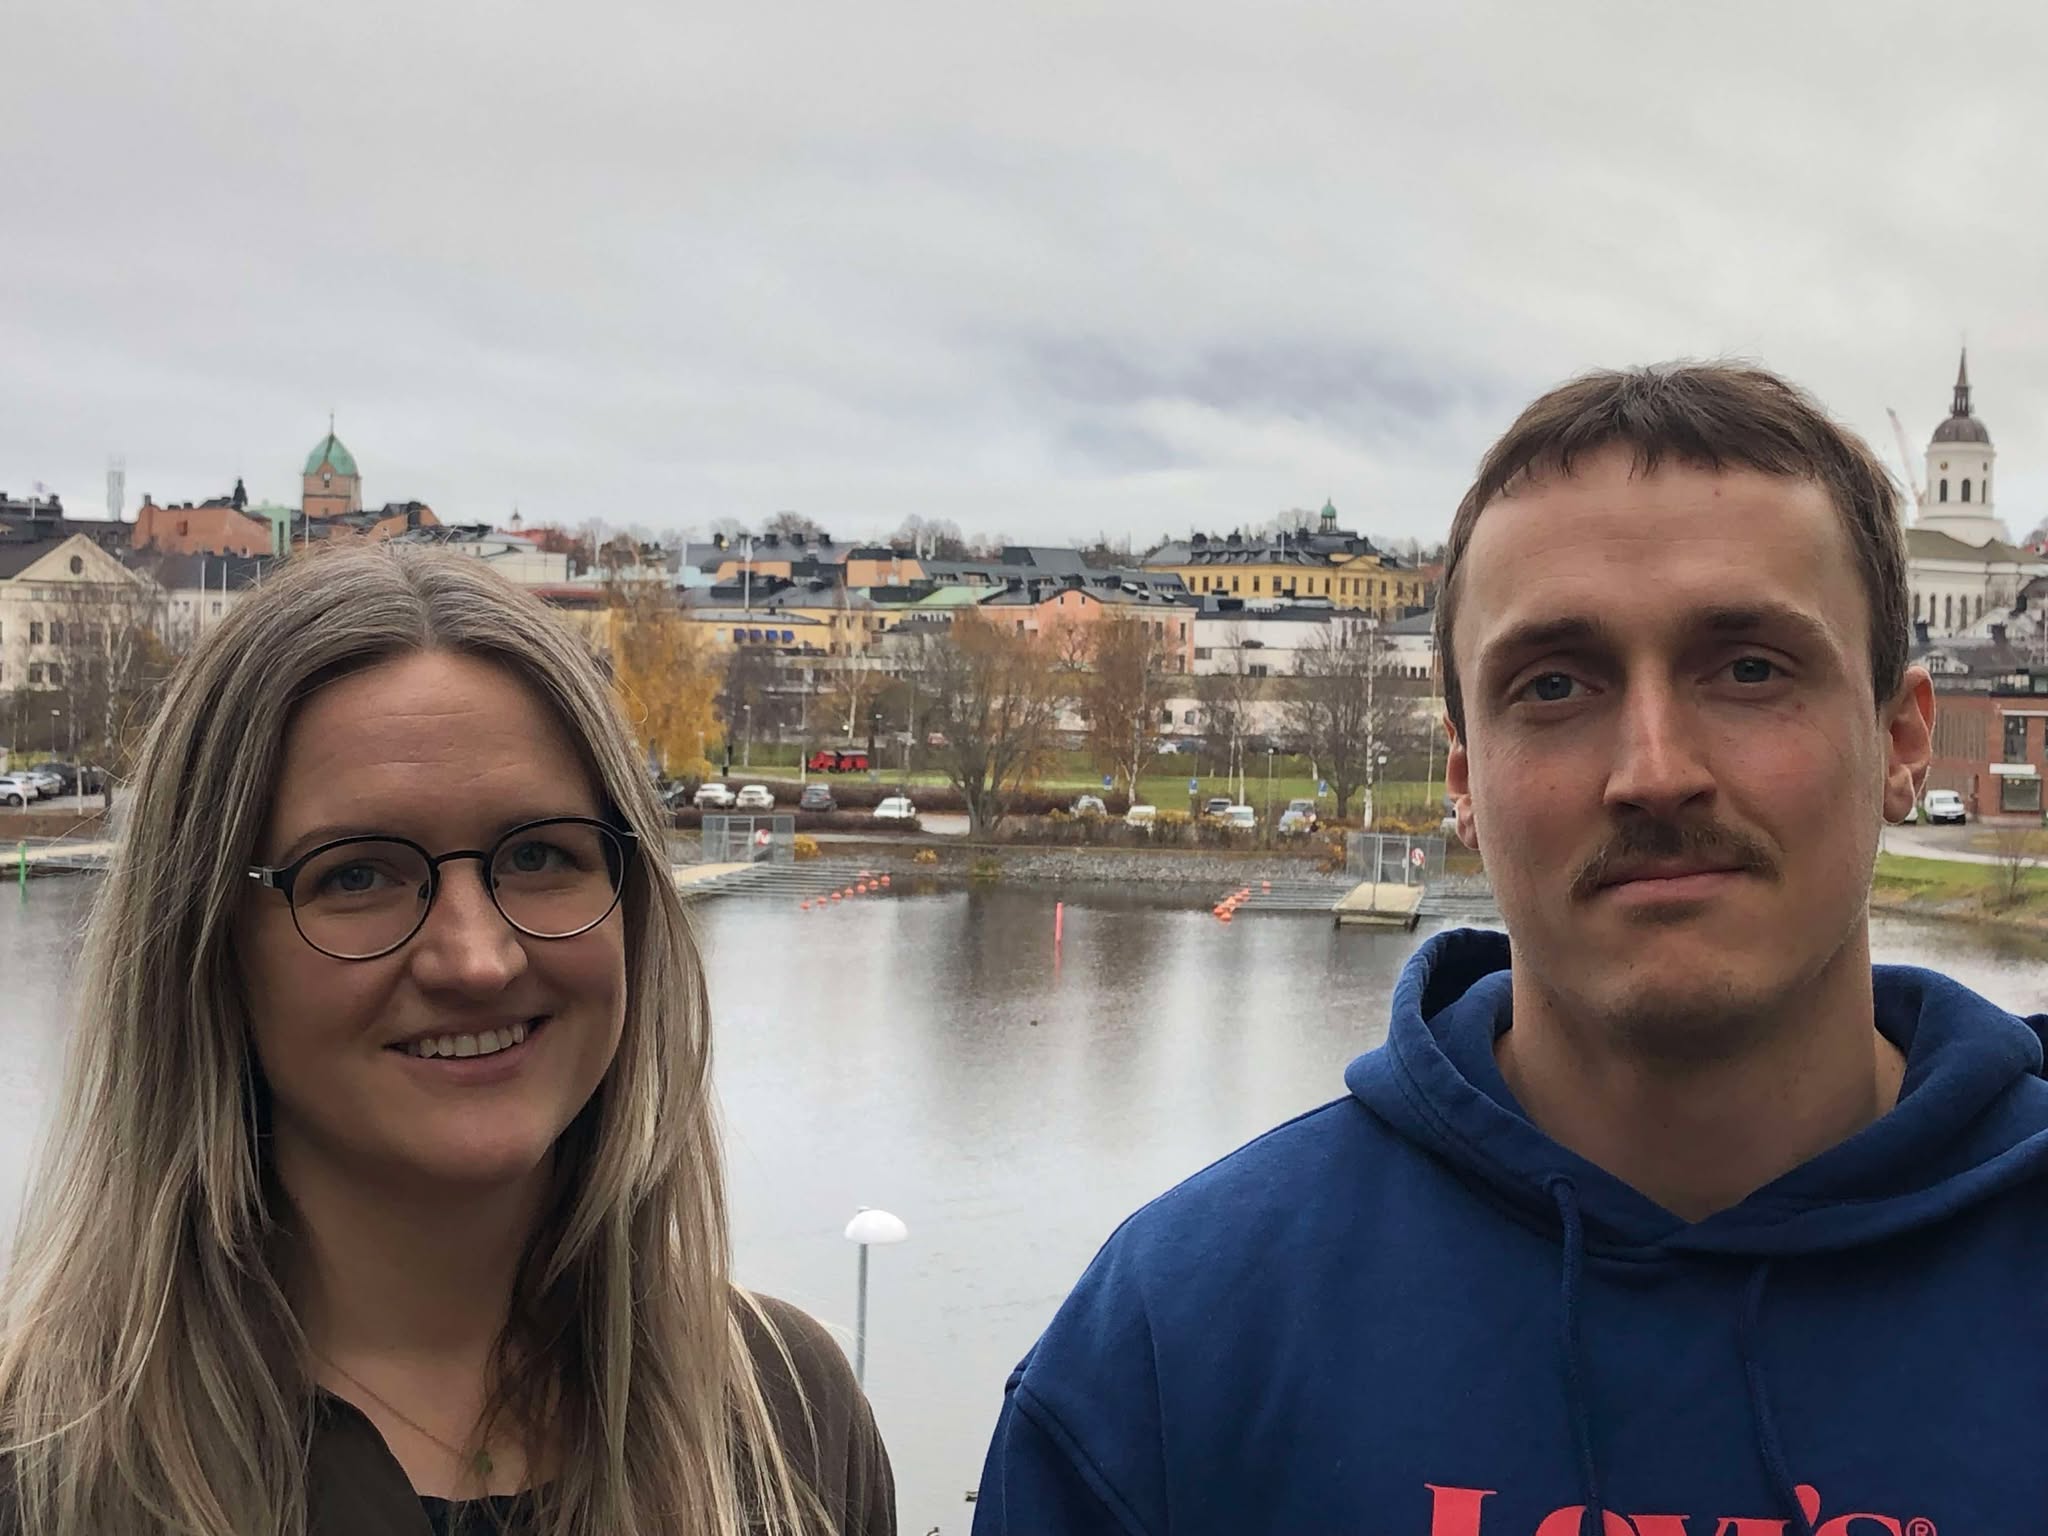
x: 1665, y: 1213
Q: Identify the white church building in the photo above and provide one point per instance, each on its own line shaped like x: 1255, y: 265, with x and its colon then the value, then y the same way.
x: 1962, y: 566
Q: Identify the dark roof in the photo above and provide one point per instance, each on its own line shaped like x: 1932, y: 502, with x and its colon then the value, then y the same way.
x: 190, y: 572
x: 1962, y: 429
x: 18, y: 557
x: 1423, y: 623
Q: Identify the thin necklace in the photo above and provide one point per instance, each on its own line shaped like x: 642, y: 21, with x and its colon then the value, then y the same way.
x: 481, y: 1461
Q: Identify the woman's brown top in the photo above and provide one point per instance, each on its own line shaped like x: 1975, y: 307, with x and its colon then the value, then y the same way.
x: 355, y: 1486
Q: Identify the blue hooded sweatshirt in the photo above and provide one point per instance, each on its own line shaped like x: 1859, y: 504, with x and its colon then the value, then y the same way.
x: 1411, y: 1313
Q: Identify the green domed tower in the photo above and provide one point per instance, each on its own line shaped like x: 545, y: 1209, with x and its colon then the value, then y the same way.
x: 333, y: 486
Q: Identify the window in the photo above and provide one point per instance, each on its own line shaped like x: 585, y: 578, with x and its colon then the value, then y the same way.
x: 1166, y: 717
x: 35, y: 632
x: 56, y: 631
x: 1980, y: 605
x: 1233, y: 583
x: 1255, y: 583
x: 1944, y: 489
x: 2015, y: 738
x: 1966, y: 487
x: 1948, y: 611
x: 35, y: 672
x: 1256, y: 669
x: 77, y: 566
x: 1203, y: 652
x: 216, y: 610
x: 1916, y: 607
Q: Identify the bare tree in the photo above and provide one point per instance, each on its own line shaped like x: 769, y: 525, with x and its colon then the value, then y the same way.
x: 996, y: 696
x: 1339, y: 711
x: 794, y: 528
x: 1229, y: 693
x: 936, y: 538
x: 111, y: 638
x: 852, y: 691
x: 1120, y: 693
x: 2015, y: 847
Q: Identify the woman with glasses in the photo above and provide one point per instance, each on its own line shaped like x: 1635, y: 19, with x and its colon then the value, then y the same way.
x: 386, y: 1195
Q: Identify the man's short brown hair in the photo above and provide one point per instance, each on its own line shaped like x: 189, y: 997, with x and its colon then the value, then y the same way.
x: 1710, y: 416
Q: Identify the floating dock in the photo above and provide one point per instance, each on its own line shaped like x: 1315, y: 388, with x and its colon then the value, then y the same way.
x: 1376, y: 904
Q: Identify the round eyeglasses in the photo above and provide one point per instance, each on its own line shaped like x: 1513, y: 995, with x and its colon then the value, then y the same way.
x: 360, y: 898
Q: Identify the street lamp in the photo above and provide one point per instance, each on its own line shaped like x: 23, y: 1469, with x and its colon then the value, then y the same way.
x: 1269, y: 784
x: 53, y: 730
x: 747, y: 741
x: 868, y: 1227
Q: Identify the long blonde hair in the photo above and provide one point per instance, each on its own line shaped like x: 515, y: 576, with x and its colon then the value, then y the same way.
x: 152, y: 1375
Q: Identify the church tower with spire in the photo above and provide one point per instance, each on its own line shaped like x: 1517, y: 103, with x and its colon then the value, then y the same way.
x: 1957, y: 500
x: 332, y: 486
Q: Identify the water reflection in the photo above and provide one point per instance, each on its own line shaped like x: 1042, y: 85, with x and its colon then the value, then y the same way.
x: 924, y: 1052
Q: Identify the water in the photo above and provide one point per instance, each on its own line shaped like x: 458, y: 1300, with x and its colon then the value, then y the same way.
x: 922, y: 1053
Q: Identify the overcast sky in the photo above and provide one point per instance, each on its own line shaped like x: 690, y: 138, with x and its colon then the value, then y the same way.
x: 1045, y: 268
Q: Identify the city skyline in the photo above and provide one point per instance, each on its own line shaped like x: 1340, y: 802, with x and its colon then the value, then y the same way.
x: 1053, y: 274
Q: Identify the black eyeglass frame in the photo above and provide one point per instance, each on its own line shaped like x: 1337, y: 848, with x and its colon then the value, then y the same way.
x: 280, y: 877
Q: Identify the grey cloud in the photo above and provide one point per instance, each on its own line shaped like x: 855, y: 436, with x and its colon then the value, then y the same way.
x: 1051, y: 268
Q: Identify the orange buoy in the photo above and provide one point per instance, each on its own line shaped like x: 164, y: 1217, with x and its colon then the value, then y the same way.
x: 885, y: 880
x: 1226, y: 917
x: 1265, y: 885
x: 839, y: 895
x: 861, y: 889
x: 805, y: 905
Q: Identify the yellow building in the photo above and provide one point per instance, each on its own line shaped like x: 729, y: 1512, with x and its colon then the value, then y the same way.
x: 1325, y: 563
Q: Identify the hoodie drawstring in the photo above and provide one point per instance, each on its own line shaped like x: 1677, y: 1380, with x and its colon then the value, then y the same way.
x: 1768, y: 1446
x: 1566, y: 1194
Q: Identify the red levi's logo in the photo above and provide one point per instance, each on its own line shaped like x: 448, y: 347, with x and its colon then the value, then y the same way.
x: 1461, y: 1511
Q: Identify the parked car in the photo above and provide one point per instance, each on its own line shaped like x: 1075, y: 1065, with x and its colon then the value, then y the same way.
x: 18, y: 789
x: 50, y: 782
x: 1142, y: 816
x: 1945, y: 808
x: 1214, y: 807
x: 72, y: 778
x: 896, y: 808
x: 817, y: 797
x: 754, y: 797
x: 712, y: 797
x: 1089, y: 805
x: 1240, y: 818
x: 1299, y: 819
x: 839, y: 760
x: 1168, y: 748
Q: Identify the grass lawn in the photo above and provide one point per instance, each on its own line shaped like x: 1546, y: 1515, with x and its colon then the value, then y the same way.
x: 1165, y: 786
x: 1944, y: 880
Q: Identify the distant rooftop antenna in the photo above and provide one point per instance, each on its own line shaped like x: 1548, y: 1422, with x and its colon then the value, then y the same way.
x: 117, y: 487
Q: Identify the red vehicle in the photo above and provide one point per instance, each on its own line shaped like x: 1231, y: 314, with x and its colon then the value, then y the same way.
x: 839, y: 760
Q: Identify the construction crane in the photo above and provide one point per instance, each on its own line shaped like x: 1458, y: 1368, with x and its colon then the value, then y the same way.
x: 1905, y: 460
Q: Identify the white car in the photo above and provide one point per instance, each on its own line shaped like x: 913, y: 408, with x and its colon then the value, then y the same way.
x: 1142, y: 816
x: 18, y: 789
x: 712, y: 797
x: 1945, y: 806
x: 754, y: 797
x: 1241, y: 818
x: 51, y: 784
x: 896, y: 808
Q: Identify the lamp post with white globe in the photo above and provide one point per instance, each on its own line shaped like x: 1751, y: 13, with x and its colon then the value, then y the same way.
x: 867, y: 1228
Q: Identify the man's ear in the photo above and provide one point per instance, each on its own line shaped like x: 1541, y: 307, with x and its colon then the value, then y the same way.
x: 1458, y: 782
x: 1909, y: 743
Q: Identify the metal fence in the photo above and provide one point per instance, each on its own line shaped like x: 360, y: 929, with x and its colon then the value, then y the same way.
x: 748, y: 840
x: 1393, y: 858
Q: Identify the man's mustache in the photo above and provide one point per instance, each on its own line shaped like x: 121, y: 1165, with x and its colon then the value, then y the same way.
x: 1644, y: 840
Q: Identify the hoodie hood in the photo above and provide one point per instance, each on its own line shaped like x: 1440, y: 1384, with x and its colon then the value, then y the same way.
x: 1971, y: 1119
